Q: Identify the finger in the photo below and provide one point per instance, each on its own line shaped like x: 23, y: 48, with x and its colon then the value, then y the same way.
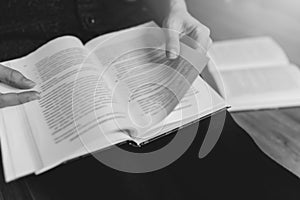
x: 14, y: 78
x: 172, y: 44
x: 210, y: 43
x: 13, y: 99
x: 201, y: 37
x: 172, y: 39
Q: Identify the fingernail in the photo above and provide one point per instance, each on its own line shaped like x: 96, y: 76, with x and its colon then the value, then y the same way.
x: 29, y: 83
x: 171, y: 55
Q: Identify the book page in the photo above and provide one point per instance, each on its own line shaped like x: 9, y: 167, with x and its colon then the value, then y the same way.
x: 20, y: 156
x: 7, y: 162
x: 200, y: 101
x: 265, y: 87
x: 254, y: 73
x: 18, y: 147
x: 247, y: 53
x: 66, y: 77
x: 149, y: 84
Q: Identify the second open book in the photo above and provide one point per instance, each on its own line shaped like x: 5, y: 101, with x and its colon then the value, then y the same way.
x: 118, y: 87
x: 253, y: 74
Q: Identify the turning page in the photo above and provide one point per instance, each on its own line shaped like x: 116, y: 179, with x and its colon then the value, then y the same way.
x: 148, y: 83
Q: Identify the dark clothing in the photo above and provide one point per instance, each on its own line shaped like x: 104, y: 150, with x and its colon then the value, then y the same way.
x: 235, y: 169
x: 27, y: 24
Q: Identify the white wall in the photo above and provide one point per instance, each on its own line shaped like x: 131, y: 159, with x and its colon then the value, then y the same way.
x: 241, y: 18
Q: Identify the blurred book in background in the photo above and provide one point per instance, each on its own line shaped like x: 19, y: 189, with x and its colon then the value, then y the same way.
x: 253, y: 74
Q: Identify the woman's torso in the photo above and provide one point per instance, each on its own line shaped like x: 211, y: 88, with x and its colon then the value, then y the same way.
x: 25, y: 25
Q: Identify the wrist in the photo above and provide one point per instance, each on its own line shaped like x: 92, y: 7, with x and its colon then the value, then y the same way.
x: 162, y: 9
x: 177, y: 6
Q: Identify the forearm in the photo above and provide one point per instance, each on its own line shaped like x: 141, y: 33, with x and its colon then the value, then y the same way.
x: 161, y: 8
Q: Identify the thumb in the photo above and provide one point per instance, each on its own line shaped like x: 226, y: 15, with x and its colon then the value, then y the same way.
x: 172, y: 43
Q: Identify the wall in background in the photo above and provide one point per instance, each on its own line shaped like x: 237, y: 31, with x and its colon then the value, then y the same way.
x: 230, y: 19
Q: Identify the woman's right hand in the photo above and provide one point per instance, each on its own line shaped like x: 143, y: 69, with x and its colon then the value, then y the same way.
x: 16, y: 79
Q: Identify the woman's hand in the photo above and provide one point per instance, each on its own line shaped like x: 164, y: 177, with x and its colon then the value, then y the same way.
x: 181, y: 23
x: 16, y: 79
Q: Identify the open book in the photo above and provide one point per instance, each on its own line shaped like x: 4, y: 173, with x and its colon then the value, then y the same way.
x: 253, y: 73
x: 118, y: 87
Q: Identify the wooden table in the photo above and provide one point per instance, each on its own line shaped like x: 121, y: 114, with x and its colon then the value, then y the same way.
x: 277, y: 132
